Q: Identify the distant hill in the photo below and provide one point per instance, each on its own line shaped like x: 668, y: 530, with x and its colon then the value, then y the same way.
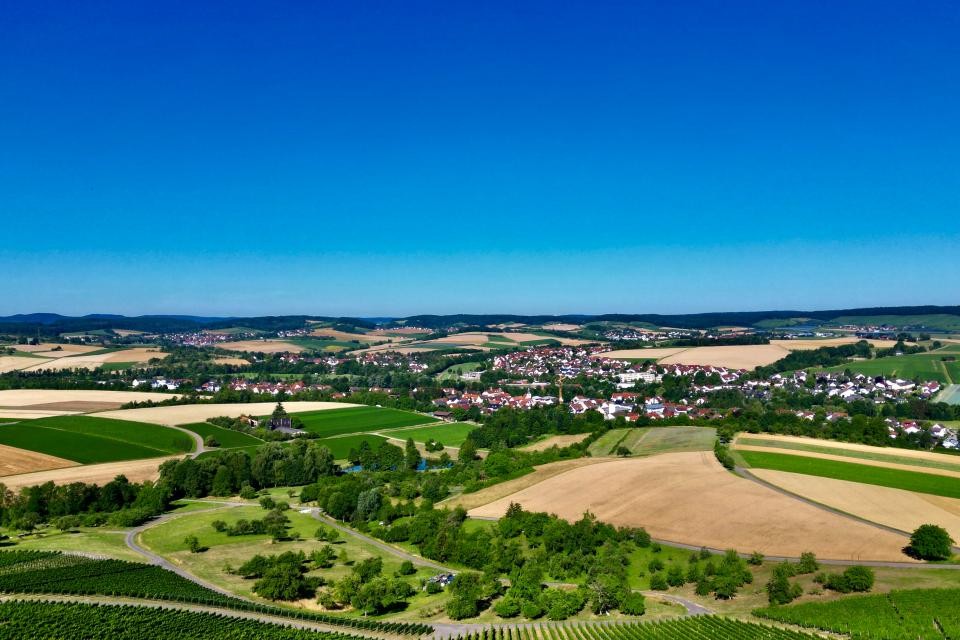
x: 934, y: 318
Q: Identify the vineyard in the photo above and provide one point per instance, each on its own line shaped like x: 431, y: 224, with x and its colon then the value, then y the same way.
x: 56, y: 573
x: 46, y: 621
x: 918, y: 614
x: 695, y: 628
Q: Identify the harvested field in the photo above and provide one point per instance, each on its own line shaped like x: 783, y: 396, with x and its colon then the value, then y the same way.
x: 123, y: 333
x: 347, y: 337
x: 492, y: 494
x: 14, y: 461
x: 237, y: 362
x: 561, y: 327
x: 15, y: 363
x: 555, y: 441
x: 689, y: 498
x: 188, y: 413
x: 403, y: 331
x: 640, y: 354
x: 33, y: 397
x: 83, y: 361
x: 261, y: 346
x: 30, y: 414
x: 852, y: 446
x: 134, y: 470
x: 903, y: 510
x: 842, y: 458
x: 65, y: 349
x: 816, y: 343
x: 747, y: 356
x: 74, y: 406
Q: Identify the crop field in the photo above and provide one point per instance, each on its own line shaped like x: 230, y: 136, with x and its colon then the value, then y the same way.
x: 925, y: 366
x: 134, y: 470
x: 916, y: 614
x: 228, y: 438
x: 903, y: 510
x: 191, y: 413
x: 950, y: 393
x: 652, y: 440
x: 97, y: 359
x: 33, y: 398
x: 698, y: 628
x: 340, y: 446
x: 451, y: 434
x: 896, y: 478
x: 689, y: 498
x: 262, y: 346
x: 889, y: 455
x: 89, y: 440
x: 334, y: 422
x: 560, y: 441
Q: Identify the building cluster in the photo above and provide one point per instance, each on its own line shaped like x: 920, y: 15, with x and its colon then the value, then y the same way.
x: 490, y: 400
x: 947, y: 437
x: 391, y: 359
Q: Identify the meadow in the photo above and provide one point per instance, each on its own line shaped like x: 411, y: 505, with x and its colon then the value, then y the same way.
x: 653, y: 440
x: 228, y: 438
x: 334, y: 422
x: 90, y: 440
x: 449, y: 434
x: 341, y: 446
x: 876, y: 454
x: 925, y: 366
x: 894, y: 478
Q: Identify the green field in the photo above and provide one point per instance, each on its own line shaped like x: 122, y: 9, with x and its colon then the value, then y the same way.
x: 451, y: 434
x: 925, y: 366
x: 895, y: 478
x: 454, y: 371
x: 645, y: 441
x: 89, y: 440
x: 950, y: 394
x: 941, y: 321
x: 316, y: 344
x: 228, y: 438
x: 898, y: 615
x: 335, y: 422
x: 949, y: 462
x: 340, y: 446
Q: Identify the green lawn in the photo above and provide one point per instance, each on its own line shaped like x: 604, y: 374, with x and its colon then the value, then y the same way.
x: 89, y: 440
x: 98, y: 540
x: 949, y: 462
x: 895, y: 478
x: 925, y: 366
x: 451, y: 434
x: 228, y: 438
x: 341, y: 446
x: 334, y: 422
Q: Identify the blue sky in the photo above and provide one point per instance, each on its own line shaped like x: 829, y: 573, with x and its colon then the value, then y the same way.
x: 383, y: 158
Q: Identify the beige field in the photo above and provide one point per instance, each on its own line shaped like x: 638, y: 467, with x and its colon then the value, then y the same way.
x: 187, y: 413
x: 83, y: 361
x: 134, y: 470
x: 816, y: 343
x: 863, y: 461
x: 14, y: 461
x: 408, y: 331
x: 7, y: 415
x: 65, y: 349
x: 689, y: 498
x: 852, y: 446
x: 123, y: 333
x: 347, y: 337
x: 903, y: 510
x: 558, y: 441
x: 641, y: 354
x: 15, y: 363
x: 747, y: 356
x: 561, y: 327
x: 262, y: 346
x: 239, y: 362
x: 10, y: 398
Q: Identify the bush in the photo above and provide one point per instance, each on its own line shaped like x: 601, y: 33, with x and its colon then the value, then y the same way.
x: 459, y: 608
x: 756, y: 558
x: 210, y: 441
x: 407, y: 568
x: 930, y: 542
x: 507, y: 608
x: 808, y: 563
x: 633, y: 604
x: 531, y: 610
x: 658, y: 582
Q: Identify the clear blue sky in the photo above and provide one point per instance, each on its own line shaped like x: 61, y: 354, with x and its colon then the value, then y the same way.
x: 392, y: 158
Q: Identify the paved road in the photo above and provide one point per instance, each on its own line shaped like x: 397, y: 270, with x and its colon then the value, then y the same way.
x: 198, y: 441
x: 160, y: 561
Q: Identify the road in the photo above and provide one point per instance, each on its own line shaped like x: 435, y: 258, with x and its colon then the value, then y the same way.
x: 198, y: 441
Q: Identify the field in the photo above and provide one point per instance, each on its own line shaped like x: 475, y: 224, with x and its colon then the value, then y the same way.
x: 340, y: 446
x: 689, y: 498
x: 653, y: 440
x: 451, y: 434
x: 89, y: 440
x: 43, y: 398
x: 895, y: 478
x: 699, y: 628
x: 903, y: 510
x: 833, y: 450
x: 261, y: 346
x: 925, y: 366
x: 334, y: 422
x: 918, y: 614
x: 134, y: 470
x: 555, y: 441
x: 228, y: 438
x: 96, y: 359
x: 14, y: 461
x: 950, y: 394
x: 191, y: 413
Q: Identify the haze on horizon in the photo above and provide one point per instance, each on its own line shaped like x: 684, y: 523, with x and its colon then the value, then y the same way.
x: 378, y: 160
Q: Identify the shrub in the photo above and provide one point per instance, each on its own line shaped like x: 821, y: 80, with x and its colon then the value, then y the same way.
x: 658, y: 582
x: 633, y: 604
x: 930, y: 542
x: 531, y: 610
x: 507, y: 607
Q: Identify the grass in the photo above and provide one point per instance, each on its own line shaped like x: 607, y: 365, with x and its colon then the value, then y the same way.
x: 946, y: 464
x: 251, y: 449
x: 450, y: 434
x: 316, y: 344
x: 941, y: 321
x: 228, y: 438
x: 89, y: 440
x: 99, y: 541
x: 120, y: 366
x: 646, y: 441
x: 342, y: 445
x: 925, y: 366
x: 895, y: 478
x: 453, y: 371
x: 334, y: 422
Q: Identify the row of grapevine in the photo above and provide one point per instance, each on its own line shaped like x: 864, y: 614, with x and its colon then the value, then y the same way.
x: 47, y: 620
x: 66, y: 574
x: 916, y: 614
x: 692, y: 628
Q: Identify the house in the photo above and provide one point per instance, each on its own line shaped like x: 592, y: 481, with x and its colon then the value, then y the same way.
x: 443, y: 415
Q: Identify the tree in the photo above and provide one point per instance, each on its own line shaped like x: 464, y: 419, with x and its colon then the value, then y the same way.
x: 930, y: 542
x: 633, y: 604
x: 222, y: 482
x: 211, y: 442
x: 193, y: 543
x: 411, y: 455
x: 622, y: 451
x: 282, y: 581
x: 468, y: 451
x: 808, y: 563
